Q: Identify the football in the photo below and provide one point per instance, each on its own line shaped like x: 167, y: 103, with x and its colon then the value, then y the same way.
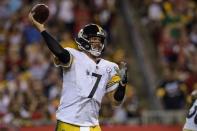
x: 40, y: 13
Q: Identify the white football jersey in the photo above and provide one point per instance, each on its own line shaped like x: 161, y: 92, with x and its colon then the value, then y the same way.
x: 84, y: 85
x: 191, y: 119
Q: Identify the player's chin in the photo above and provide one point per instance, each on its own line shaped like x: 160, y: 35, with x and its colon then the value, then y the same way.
x: 96, y: 55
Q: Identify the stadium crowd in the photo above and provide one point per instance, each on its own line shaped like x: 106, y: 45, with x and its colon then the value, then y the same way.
x: 173, y: 27
x: 30, y: 85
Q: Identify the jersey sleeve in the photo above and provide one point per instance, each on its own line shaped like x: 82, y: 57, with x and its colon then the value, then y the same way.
x: 114, y: 79
x: 58, y: 63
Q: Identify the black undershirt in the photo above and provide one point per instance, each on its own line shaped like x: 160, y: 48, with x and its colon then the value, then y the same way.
x: 62, y: 54
x: 120, y: 93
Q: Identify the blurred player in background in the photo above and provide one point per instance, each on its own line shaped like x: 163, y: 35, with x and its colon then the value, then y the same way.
x: 191, y: 119
x: 86, y: 78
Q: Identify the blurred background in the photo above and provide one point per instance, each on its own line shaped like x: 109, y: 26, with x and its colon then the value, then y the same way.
x: 157, y: 38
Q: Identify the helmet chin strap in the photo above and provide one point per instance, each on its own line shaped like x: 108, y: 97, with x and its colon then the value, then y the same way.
x: 92, y: 51
x: 96, y: 52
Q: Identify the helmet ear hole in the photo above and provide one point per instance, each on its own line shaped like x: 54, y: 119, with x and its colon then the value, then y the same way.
x: 87, y: 46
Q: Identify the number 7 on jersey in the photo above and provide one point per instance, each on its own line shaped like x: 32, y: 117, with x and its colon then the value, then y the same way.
x: 95, y: 85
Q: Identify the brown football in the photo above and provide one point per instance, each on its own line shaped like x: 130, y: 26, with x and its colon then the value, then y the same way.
x: 40, y: 12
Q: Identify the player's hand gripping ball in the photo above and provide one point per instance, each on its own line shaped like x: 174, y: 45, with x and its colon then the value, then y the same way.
x: 40, y: 13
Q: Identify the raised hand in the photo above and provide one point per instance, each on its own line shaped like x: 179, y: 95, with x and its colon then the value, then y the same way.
x: 38, y: 25
x: 122, y: 72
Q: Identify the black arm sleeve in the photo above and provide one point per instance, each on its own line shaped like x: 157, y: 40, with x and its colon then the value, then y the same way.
x: 120, y: 93
x: 62, y: 54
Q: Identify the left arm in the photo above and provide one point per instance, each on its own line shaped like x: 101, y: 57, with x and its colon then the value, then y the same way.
x: 116, y: 96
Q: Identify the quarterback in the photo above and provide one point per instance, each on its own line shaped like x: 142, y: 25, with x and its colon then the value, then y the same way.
x: 191, y: 119
x: 86, y: 78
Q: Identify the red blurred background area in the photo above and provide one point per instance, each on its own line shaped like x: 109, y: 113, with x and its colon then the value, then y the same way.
x: 115, y: 128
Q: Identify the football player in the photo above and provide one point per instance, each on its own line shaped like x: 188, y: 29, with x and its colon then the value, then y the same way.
x: 86, y: 78
x: 191, y: 119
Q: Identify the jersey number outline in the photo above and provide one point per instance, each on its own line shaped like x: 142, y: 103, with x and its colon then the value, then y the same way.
x: 189, y: 115
x: 98, y: 76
